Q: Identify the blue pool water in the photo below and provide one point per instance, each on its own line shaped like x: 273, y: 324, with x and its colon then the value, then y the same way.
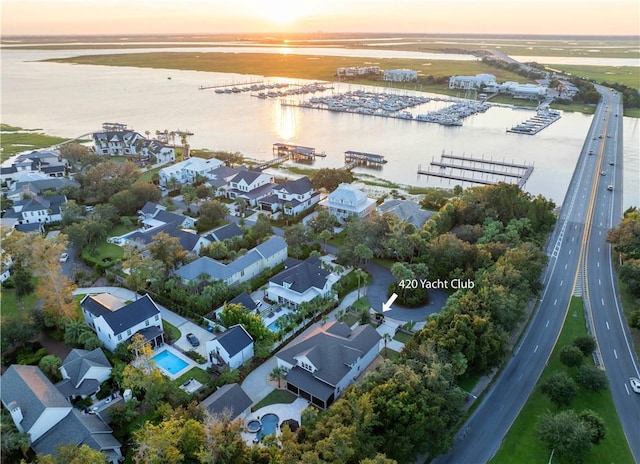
x: 269, y: 424
x: 274, y: 326
x: 169, y: 362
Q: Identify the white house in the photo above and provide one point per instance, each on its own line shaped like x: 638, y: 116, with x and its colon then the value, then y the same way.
x: 291, y: 197
x: 48, y: 163
x: 162, y: 153
x: 37, y: 408
x: 115, y: 322
x: 400, y: 75
x: 301, y: 282
x: 327, y: 360
x: 185, y: 172
x: 116, y: 142
x: 83, y: 372
x: 251, y: 186
x: 231, y: 348
x: 346, y: 201
x: 39, y: 209
x: 268, y: 254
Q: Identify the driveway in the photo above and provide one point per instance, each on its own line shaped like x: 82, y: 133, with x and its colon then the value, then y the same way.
x: 256, y: 384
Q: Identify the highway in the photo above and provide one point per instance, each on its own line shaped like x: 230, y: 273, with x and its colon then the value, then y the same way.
x: 587, y: 198
x: 616, y: 353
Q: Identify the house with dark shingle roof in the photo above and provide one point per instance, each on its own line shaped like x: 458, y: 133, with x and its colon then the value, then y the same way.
x: 229, y: 400
x: 39, y: 209
x: 226, y: 232
x: 291, y: 197
x: 251, y: 186
x: 321, y: 365
x: 115, y: 321
x: 302, y: 281
x: 232, y: 347
x: 38, y: 408
x: 268, y: 254
x: 82, y: 372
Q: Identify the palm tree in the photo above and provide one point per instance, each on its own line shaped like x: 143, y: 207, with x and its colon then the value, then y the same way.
x: 386, y: 338
x: 361, y: 275
x: 73, y: 331
x: 277, y: 373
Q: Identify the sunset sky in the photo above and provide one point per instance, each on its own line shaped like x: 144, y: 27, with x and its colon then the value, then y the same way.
x: 69, y: 17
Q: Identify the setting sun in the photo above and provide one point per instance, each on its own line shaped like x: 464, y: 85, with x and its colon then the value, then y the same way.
x: 284, y: 12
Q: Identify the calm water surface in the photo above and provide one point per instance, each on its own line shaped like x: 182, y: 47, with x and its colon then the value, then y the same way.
x: 70, y: 100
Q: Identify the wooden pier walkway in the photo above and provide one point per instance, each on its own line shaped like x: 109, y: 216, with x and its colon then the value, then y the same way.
x: 495, y: 171
x: 233, y: 84
x: 354, y: 159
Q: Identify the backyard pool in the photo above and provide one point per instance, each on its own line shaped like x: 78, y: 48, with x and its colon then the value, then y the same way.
x: 269, y: 423
x: 169, y: 362
x: 274, y: 326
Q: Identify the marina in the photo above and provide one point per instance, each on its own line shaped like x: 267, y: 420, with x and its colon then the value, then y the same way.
x: 542, y: 119
x: 491, y: 172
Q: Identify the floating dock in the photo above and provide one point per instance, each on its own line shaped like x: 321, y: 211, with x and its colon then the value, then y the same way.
x: 286, y: 151
x: 542, y: 119
x: 491, y: 172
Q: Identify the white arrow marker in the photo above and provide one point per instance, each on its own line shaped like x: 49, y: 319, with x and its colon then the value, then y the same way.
x: 387, y: 306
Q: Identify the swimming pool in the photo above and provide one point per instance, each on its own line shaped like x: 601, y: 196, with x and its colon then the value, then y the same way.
x: 269, y: 423
x: 169, y: 362
x: 274, y: 326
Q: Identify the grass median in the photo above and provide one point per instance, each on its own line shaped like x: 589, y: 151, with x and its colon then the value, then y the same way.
x: 521, y: 445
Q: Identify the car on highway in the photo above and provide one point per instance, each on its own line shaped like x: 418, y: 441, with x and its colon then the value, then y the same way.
x: 603, y: 173
x: 591, y: 152
x: 600, y: 136
x: 610, y: 187
x: 608, y: 136
x: 611, y: 163
x: 64, y: 257
x: 635, y: 384
x: 193, y: 339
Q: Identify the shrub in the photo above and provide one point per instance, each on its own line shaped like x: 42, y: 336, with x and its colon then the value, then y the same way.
x: 197, y: 357
x: 586, y: 344
x: 560, y: 388
x: 27, y: 356
x: 592, y: 378
x: 571, y: 356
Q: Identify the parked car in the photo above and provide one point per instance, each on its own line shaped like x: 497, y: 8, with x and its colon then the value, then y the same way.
x: 258, y: 303
x: 193, y: 339
x: 635, y: 384
x: 64, y: 257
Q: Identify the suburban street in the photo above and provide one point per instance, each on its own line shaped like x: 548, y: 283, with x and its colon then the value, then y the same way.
x: 482, y: 434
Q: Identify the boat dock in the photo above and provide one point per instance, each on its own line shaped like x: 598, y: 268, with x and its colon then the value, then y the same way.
x: 233, y: 84
x: 285, y: 151
x: 354, y: 159
x: 491, y: 172
x: 542, y: 119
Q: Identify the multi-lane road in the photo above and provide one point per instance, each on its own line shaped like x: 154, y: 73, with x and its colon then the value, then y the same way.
x: 578, y: 244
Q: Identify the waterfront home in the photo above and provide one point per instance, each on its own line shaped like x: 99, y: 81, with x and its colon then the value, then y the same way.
x: 400, y: 75
x: 162, y: 153
x: 37, y: 210
x: 116, y: 142
x: 323, y: 363
x: 46, y: 162
x: 83, y: 372
x: 291, y: 197
x: 302, y: 281
x: 115, y: 321
x: 185, y: 172
x: 251, y: 186
x: 406, y: 211
x: 266, y: 255
x: 231, y: 348
x: 478, y: 82
x: 346, y: 201
x: 229, y: 399
x: 39, y: 409
x: 36, y: 183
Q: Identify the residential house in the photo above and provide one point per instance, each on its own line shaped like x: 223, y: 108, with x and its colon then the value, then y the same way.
x: 322, y: 364
x: 347, y: 201
x: 291, y: 197
x: 161, y: 152
x: 266, y: 255
x: 230, y: 400
x: 39, y: 409
x: 115, y: 321
x: 39, y: 209
x: 116, y: 142
x: 232, y: 347
x: 32, y: 184
x: 303, y: 281
x: 406, y: 211
x: 220, y: 177
x: 83, y: 372
x: 226, y: 232
x: 47, y: 163
x: 250, y: 186
x: 185, y: 172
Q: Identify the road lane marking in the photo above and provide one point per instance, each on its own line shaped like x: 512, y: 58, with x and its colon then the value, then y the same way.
x: 555, y: 302
x: 547, y: 324
x: 598, y: 263
x: 627, y: 388
x: 607, y: 322
x: 537, y: 349
x: 602, y: 300
x: 599, y: 283
x: 565, y: 266
x: 561, y: 282
x: 598, y: 249
x: 569, y: 251
x: 615, y: 353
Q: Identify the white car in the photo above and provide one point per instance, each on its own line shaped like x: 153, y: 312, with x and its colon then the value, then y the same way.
x: 635, y: 384
x: 64, y: 257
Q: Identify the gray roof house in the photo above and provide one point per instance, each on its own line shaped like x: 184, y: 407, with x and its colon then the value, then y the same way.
x: 225, y: 232
x: 232, y: 347
x: 302, y: 281
x: 266, y: 255
x: 37, y: 407
x: 251, y: 186
x: 229, y: 399
x: 327, y: 360
x: 405, y: 210
x: 83, y: 371
x: 346, y: 201
x: 292, y: 197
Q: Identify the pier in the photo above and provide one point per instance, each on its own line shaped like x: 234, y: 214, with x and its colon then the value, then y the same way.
x: 354, y: 159
x: 458, y: 168
x: 285, y: 151
x: 233, y: 84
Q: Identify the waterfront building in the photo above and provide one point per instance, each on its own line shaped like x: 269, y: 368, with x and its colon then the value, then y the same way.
x: 346, y: 201
x: 400, y: 75
x: 479, y: 81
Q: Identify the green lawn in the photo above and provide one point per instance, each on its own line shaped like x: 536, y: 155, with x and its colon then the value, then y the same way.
x: 275, y: 397
x: 10, y: 304
x: 521, y: 445
x: 147, y: 176
x: 402, y: 337
x: 388, y: 353
x: 195, y: 372
x: 104, y: 255
x: 173, y: 332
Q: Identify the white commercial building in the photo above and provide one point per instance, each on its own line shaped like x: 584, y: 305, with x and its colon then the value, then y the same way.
x: 478, y: 81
